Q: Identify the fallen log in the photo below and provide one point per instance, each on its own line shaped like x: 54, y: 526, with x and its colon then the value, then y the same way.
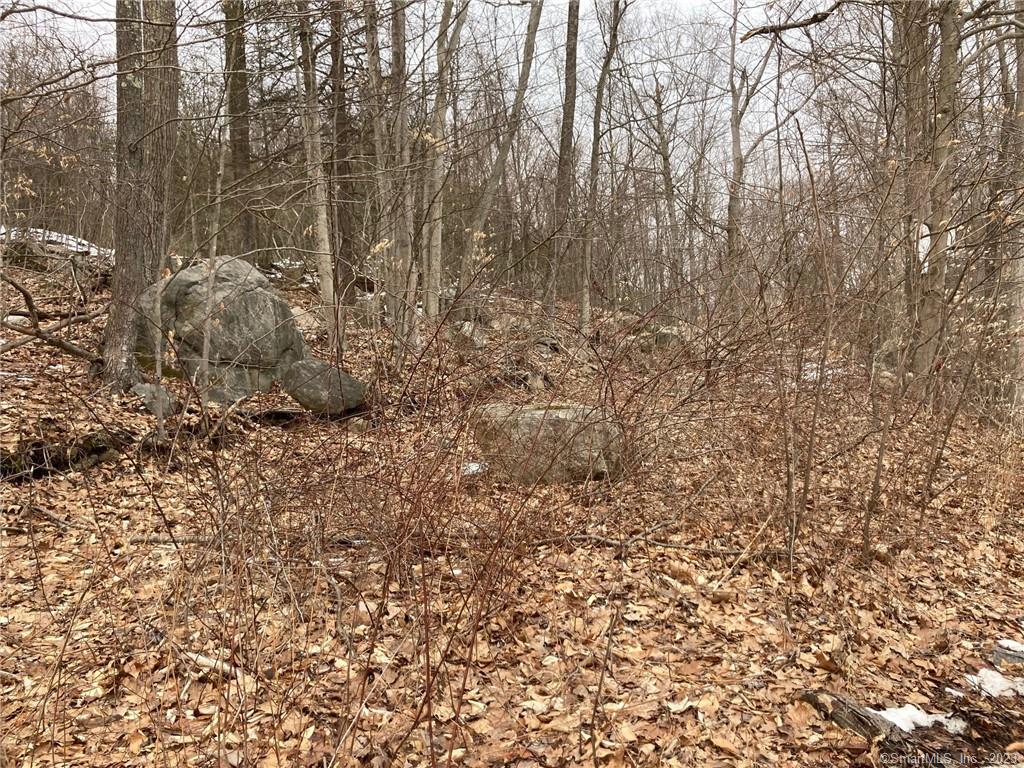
x: 872, y: 727
x: 36, y: 457
x: 975, y: 732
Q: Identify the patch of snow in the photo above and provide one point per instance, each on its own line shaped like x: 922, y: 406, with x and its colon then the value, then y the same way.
x: 994, y: 683
x: 72, y: 243
x: 473, y: 468
x: 809, y: 372
x: 908, y: 717
x: 1011, y: 645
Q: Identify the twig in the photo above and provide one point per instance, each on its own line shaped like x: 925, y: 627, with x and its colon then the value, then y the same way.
x: 743, y: 555
x: 26, y: 295
x: 600, y: 680
x: 173, y: 541
x: 42, y: 314
x: 626, y: 543
x: 53, y: 518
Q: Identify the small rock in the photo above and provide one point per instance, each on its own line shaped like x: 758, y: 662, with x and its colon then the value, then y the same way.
x: 549, y: 443
x: 310, y: 323
x: 156, y: 399
x: 535, y: 382
x: 471, y: 468
x: 322, y: 388
x: 468, y: 334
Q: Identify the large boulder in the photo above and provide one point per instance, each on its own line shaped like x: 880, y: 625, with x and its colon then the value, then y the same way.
x: 549, y: 443
x: 322, y: 388
x: 253, y: 336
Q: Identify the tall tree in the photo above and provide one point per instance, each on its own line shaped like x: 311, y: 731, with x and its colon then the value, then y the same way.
x: 342, y: 161
x: 129, y: 277
x: 743, y: 87
x: 939, y: 224
x: 435, y: 145
x: 161, y: 84
x: 402, y: 274
x: 913, y: 53
x: 305, y: 73
x: 617, y: 10
x: 486, y: 199
x: 239, y: 131
x: 563, y: 179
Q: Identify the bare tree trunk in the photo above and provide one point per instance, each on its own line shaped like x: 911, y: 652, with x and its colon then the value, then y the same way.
x: 211, y: 266
x: 668, y: 186
x: 742, y: 88
x: 1016, y: 265
x: 562, y: 238
x: 305, y: 75
x: 238, y: 123
x: 486, y: 199
x: 384, y: 248
x: 160, y: 95
x: 932, y: 310
x: 737, y: 87
x: 913, y: 52
x: 401, y: 294
x: 617, y: 11
x: 129, y: 278
x: 342, y: 185
x: 433, y: 190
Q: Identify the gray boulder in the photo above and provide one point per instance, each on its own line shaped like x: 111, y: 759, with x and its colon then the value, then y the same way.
x: 549, y: 443
x: 322, y: 388
x: 156, y: 399
x: 253, y: 336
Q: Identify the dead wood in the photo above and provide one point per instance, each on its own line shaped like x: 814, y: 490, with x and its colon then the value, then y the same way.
x: 36, y: 457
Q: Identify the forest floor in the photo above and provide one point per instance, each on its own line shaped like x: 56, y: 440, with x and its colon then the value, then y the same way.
x: 278, y: 590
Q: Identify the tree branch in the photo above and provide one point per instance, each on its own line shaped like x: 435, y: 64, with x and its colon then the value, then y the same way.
x: 775, y: 29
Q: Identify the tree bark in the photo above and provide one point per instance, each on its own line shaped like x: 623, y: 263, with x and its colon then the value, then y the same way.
x: 239, y: 169
x: 401, y: 294
x: 561, y: 237
x: 618, y: 9
x: 383, y: 249
x: 913, y: 54
x: 436, y: 144
x: 306, y: 81
x: 160, y: 93
x: 342, y: 169
x: 932, y: 311
x: 129, y: 276
x: 667, y: 183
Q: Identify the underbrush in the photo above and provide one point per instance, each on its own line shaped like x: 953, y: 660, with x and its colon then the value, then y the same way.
x: 307, y: 592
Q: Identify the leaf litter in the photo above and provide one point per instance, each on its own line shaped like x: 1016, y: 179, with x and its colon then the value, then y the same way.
x: 253, y: 604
